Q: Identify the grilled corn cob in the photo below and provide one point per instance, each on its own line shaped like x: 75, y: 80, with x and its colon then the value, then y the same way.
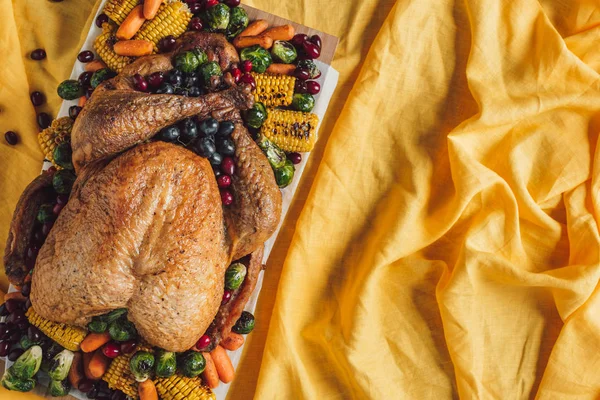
x: 55, y: 134
x: 119, y: 376
x: 67, y: 336
x: 172, y: 18
x: 104, y: 47
x: 274, y: 90
x: 178, y: 387
x: 292, y: 131
x: 117, y: 10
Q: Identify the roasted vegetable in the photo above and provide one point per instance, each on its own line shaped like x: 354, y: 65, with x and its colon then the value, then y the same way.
x: 96, y: 325
x: 201, y: 55
x: 285, y: 174
x: 234, y: 276
x: 122, y: 330
x: 70, y: 90
x: 62, y: 155
x: 141, y: 365
x: 260, y: 58
x: 238, y: 21
x: 63, y: 181
x: 104, y: 46
x: 216, y: 18
x: 274, y: 90
x: 166, y: 364
x: 67, y: 336
x: 245, y: 324
x: 274, y: 154
x: 119, y: 375
x: 48, y: 356
x: 100, y: 76
x: 117, y: 10
x: 192, y: 363
x: 59, y: 388
x: 284, y: 51
x: 45, y: 213
x: 172, y: 19
x: 208, y: 70
x: 179, y: 387
x: 57, y: 133
x: 11, y: 382
x: 61, y: 363
x: 292, y: 131
x: 28, y: 363
x: 113, y: 315
x: 303, y: 102
x: 311, y: 67
x: 27, y: 343
x: 256, y: 116
x: 187, y: 61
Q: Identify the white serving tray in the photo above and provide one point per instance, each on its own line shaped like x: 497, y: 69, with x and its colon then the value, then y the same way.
x: 328, y: 81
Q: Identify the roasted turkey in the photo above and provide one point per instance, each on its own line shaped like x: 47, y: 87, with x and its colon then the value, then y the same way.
x: 144, y: 228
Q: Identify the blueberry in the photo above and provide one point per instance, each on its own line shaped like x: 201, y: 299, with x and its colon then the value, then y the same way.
x: 225, y: 146
x: 174, y: 77
x: 169, y: 134
x: 195, y: 91
x: 189, y: 131
x: 225, y: 128
x: 205, y: 147
x: 215, y: 159
x: 208, y: 127
x: 190, y: 80
x: 165, y: 88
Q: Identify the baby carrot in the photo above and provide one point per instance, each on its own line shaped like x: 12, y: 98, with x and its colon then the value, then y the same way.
x: 147, y: 389
x: 132, y: 23
x: 255, y: 28
x: 283, y: 32
x: 233, y: 342
x: 223, y: 364
x: 210, y: 374
x: 282, y: 69
x: 97, y: 366
x: 94, y: 65
x: 133, y: 48
x: 94, y: 341
x: 241, y: 42
x: 151, y: 8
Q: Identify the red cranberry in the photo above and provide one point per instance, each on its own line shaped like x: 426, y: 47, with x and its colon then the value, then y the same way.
x: 46, y: 228
x: 203, y: 342
x: 195, y: 24
x: 226, y: 198
x: 74, y: 111
x: 313, y: 87
x: 237, y: 74
x: 128, y: 347
x: 300, y: 86
x: 38, y: 54
x: 57, y: 209
x: 51, y: 170
x: 26, y: 289
x: 85, y: 78
x: 298, y: 39
x: 155, y: 79
x: 44, y: 120
x: 224, y: 181
x: 85, y: 56
x: 111, y: 350
x: 12, y: 305
x: 311, y: 49
x: 246, y: 66
x: 37, y: 98
x: 100, y: 19
x: 316, y: 39
x: 211, y: 3
x: 11, y: 138
x: 167, y: 44
x: 226, y: 297
x: 228, y: 166
x: 232, y: 3
x: 195, y: 7
x: 248, y: 79
x: 140, y: 83
x: 295, y: 158
x: 301, y: 74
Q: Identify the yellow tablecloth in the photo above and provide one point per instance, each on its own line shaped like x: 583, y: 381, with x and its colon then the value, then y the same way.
x: 444, y: 242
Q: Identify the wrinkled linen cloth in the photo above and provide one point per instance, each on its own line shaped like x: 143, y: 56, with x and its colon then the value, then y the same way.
x: 444, y: 240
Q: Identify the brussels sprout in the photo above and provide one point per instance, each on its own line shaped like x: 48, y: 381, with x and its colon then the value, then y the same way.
x: 303, y: 102
x: 238, y: 21
x: 208, y: 70
x: 100, y: 76
x: 256, y: 115
x: 192, y: 363
x: 62, y: 155
x: 310, y: 66
x: 63, y: 181
x: 70, y: 90
x: 187, y: 61
x: 59, y: 388
x: 49, y: 354
x: 284, y: 51
x: 141, y: 365
x: 26, y: 343
x: 11, y: 382
x: 285, y: 174
x: 166, y: 363
x: 216, y: 18
x: 113, y: 315
x: 97, y: 326
x: 45, y: 213
x: 274, y: 154
x: 122, y: 330
x: 200, y: 55
x: 61, y: 363
x: 28, y: 363
x: 234, y: 276
x: 245, y: 324
x: 261, y: 58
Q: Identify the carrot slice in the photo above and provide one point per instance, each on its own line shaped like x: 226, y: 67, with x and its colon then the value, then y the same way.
x: 94, y: 341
